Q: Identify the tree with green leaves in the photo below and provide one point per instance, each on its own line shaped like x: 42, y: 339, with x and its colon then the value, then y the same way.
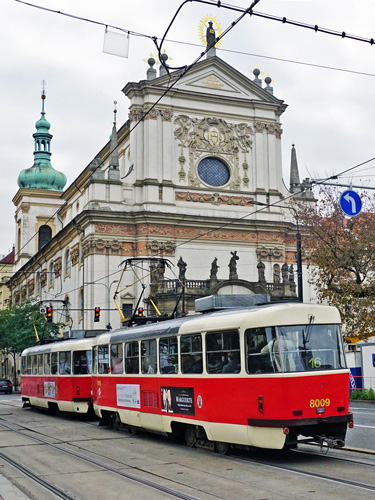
x: 17, y: 329
x: 341, y: 254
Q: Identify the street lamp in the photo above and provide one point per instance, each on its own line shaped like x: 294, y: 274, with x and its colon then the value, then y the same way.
x: 298, y: 245
x: 109, y: 327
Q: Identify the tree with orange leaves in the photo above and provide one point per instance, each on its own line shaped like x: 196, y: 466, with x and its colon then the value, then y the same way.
x: 341, y: 255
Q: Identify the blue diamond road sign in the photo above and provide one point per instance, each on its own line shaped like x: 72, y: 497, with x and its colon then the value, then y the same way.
x: 350, y: 203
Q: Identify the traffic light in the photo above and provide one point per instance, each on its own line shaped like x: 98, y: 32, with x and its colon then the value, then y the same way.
x: 97, y: 315
x: 49, y: 314
x: 140, y: 312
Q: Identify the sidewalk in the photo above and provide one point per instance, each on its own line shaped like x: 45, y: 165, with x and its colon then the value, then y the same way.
x: 10, y: 492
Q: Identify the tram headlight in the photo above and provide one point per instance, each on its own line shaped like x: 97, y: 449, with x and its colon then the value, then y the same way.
x: 320, y: 410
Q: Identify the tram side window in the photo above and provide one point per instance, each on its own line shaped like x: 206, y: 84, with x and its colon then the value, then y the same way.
x: 103, y: 359
x: 81, y: 362
x: 47, y: 367
x: 94, y: 360
x: 34, y: 364
x: 168, y: 355
x: 191, y: 353
x: 148, y: 356
x: 40, y: 364
x: 131, y: 357
x: 117, y: 357
x: 65, y: 363
x: 24, y: 365
x: 54, y: 363
x: 28, y: 365
x: 223, y: 352
x: 256, y: 342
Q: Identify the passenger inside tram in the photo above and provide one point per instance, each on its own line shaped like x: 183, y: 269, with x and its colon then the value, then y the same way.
x: 232, y: 366
x: 197, y: 367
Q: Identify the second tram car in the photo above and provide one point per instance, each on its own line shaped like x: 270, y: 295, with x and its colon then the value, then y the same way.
x: 264, y: 376
x: 57, y: 376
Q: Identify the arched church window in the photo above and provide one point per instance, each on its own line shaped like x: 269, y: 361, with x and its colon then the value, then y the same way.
x: 45, y: 235
x: 68, y: 263
x: 213, y: 171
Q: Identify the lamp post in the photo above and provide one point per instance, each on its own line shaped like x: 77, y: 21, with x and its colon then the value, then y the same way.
x: 109, y: 327
x: 298, y: 246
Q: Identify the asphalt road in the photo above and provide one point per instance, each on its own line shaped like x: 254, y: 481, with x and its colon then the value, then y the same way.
x: 363, y: 434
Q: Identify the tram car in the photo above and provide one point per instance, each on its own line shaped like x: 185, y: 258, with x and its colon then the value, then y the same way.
x: 264, y: 376
x: 57, y: 376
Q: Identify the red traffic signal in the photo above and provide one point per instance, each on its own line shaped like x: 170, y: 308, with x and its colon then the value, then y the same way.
x: 140, y: 312
x: 97, y: 314
x: 49, y: 314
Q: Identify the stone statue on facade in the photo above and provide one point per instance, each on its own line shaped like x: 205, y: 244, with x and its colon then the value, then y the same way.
x: 276, y: 275
x: 291, y: 274
x: 261, y: 268
x: 233, y: 266
x: 160, y: 270
x: 182, y: 267
x: 214, y: 269
x: 285, y: 273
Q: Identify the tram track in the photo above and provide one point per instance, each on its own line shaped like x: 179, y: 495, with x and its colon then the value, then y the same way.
x: 59, y: 492
x: 315, y: 475
x: 100, y: 461
x: 105, y: 466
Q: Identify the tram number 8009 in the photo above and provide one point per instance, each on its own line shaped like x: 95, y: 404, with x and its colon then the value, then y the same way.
x: 319, y: 403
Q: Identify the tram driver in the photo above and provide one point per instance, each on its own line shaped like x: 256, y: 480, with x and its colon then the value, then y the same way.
x: 287, y: 348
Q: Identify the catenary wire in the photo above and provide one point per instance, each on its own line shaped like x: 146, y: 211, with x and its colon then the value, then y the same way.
x: 314, y: 27
x: 135, y: 33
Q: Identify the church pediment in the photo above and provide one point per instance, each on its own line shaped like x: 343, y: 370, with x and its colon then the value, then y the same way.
x: 214, y: 76
x: 212, y: 80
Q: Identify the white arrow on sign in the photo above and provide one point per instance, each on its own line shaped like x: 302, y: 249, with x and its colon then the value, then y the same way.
x: 351, y: 200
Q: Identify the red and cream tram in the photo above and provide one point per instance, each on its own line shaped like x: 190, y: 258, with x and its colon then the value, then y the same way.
x: 57, y: 376
x: 262, y: 376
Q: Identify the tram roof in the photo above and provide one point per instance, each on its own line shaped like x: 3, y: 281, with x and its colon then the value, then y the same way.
x: 257, y: 316
x: 287, y: 313
x: 60, y: 345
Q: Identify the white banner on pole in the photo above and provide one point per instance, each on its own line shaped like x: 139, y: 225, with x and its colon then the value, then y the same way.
x: 116, y: 44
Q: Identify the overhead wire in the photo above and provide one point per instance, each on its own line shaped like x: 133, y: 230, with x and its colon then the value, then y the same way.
x: 230, y: 51
x: 248, y: 11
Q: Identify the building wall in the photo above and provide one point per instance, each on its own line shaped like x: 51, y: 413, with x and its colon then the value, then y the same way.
x: 163, y: 208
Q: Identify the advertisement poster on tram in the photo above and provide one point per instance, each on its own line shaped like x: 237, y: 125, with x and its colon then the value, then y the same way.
x: 49, y: 390
x: 128, y: 395
x: 177, y: 400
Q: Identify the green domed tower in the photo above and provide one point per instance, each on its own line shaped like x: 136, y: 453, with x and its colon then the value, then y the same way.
x: 42, y: 175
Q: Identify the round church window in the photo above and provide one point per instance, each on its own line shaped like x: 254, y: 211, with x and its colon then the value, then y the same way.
x: 213, y: 171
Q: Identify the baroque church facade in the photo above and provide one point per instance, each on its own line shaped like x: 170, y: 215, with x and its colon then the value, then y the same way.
x: 193, y: 181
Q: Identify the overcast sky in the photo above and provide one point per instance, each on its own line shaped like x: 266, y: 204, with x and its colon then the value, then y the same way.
x: 329, y: 117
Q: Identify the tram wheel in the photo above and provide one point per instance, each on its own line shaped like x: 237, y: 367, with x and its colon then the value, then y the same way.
x: 221, y: 447
x: 133, y: 430
x: 190, y: 436
x: 114, y: 421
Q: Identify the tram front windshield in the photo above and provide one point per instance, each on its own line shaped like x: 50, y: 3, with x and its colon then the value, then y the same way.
x: 294, y: 348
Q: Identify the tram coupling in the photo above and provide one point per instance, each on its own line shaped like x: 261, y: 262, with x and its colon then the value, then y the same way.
x: 330, y: 442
